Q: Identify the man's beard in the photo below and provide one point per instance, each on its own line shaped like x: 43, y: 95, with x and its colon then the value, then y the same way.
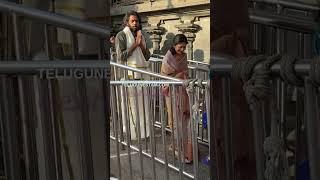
x: 133, y: 29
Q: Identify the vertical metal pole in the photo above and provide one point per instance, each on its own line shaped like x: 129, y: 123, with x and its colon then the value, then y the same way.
x: 208, y: 110
x: 127, y: 126
x: 106, y: 106
x: 301, y: 45
x: 10, y: 144
x: 176, y: 122
x: 155, y: 93
x: 313, y: 133
x: 144, y: 111
x: 42, y: 109
x: 256, y: 32
x: 164, y: 141
x: 283, y: 118
x: 54, y: 108
x: 152, y: 139
x: 258, y: 137
x: 299, y: 117
x: 116, y: 122
x: 227, y: 127
x: 22, y: 109
x: 171, y: 94
x: 181, y: 126
x: 136, y: 98
x: 84, y: 124
x: 119, y: 115
x: 273, y: 42
x: 212, y: 153
x: 198, y: 122
x: 194, y: 123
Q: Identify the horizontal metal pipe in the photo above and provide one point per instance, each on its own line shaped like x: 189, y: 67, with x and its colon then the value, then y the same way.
x: 221, y: 67
x: 67, y: 22
x: 298, y: 24
x: 290, y: 4
x: 35, y: 67
x: 157, y: 159
x: 143, y: 71
x: 198, y: 62
x: 200, y: 140
x: 203, y: 67
x: 158, y: 58
x: 200, y: 68
x: 158, y: 125
x: 149, y: 82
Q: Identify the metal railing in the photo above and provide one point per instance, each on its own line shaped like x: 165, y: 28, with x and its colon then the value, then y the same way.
x: 37, y: 138
x: 196, y: 70
x: 274, y: 31
x: 306, y: 115
x: 152, y: 113
x: 288, y: 4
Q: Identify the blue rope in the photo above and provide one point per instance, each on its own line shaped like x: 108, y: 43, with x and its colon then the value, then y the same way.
x: 303, y: 171
x: 204, y: 120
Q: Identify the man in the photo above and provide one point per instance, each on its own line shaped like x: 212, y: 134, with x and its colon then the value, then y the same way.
x: 132, y: 51
x: 130, y: 42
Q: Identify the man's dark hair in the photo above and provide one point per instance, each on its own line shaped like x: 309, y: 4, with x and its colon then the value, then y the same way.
x: 179, y: 38
x: 127, y: 16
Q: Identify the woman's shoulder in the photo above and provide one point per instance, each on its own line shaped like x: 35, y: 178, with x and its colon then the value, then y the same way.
x: 167, y: 55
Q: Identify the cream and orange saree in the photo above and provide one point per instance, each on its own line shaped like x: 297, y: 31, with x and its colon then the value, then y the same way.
x: 176, y: 66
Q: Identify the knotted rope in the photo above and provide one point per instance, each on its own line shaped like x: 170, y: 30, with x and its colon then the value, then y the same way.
x: 190, y: 85
x: 256, y: 82
x: 257, y: 88
x: 288, y: 73
x: 276, y: 163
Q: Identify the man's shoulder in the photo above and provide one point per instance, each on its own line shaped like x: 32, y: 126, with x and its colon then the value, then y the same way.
x: 120, y: 35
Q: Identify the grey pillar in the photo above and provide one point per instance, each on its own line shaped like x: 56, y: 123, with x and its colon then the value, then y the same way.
x: 189, y: 29
x: 155, y: 35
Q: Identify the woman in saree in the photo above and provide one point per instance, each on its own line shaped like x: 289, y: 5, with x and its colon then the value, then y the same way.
x: 175, y: 64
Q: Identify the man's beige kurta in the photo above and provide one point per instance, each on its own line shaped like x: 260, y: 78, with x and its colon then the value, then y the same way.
x: 135, y: 95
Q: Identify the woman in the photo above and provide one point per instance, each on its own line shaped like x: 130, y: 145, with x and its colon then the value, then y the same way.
x: 174, y: 64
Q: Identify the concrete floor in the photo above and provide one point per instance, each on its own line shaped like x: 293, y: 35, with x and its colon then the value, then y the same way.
x: 147, y: 162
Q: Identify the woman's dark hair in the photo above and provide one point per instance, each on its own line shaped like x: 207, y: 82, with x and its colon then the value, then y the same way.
x: 179, y: 38
x: 127, y: 16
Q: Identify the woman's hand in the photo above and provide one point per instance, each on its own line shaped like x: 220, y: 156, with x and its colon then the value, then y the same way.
x: 182, y: 75
x: 165, y: 90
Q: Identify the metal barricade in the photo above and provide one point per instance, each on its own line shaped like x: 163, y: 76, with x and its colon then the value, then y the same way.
x: 44, y: 118
x: 280, y: 27
x: 272, y: 121
x: 196, y: 70
x: 153, y: 150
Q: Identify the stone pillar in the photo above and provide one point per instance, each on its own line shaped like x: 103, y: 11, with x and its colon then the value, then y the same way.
x: 155, y: 33
x: 189, y: 29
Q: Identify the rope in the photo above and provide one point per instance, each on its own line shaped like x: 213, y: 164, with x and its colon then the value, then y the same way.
x: 287, y: 71
x: 257, y: 88
x: 244, y: 68
x: 186, y: 83
x: 276, y: 164
x: 315, y: 71
x: 200, y: 85
x: 195, y: 109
